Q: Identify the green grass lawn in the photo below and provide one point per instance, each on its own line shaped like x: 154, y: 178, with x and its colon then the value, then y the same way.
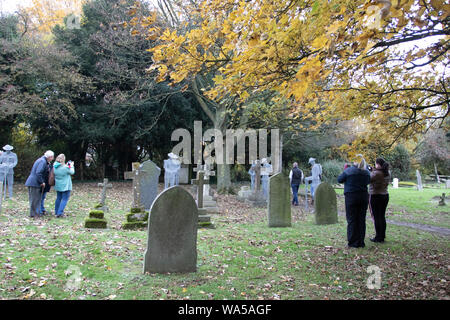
x: 241, y: 259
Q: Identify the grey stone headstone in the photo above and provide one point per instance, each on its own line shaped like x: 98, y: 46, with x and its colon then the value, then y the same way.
x: 447, y: 184
x: 279, y: 205
x: 325, y: 204
x: 184, y: 174
x: 172, y: 233
x: 149, y: 183
x: 419, y: 181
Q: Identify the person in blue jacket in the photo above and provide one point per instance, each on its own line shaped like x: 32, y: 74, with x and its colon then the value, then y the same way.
x: 36, y: 182
x: 355, y: 179
x: 63, y: 183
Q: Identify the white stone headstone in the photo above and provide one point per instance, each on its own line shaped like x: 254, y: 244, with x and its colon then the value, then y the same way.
x: 395, y: 183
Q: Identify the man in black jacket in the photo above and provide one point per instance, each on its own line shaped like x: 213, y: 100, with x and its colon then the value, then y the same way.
x: 355, y: 179
x: 296, y: 178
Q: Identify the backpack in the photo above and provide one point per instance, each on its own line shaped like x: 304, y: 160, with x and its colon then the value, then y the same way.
x: 51, y: 178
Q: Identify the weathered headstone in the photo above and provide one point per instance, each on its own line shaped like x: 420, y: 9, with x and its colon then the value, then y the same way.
x: 184, y: 174
x: 137, y: 217
x: 244, y: 193
x: 395, y: 183
x: 102, y: 204
x: 419, y: 181
x: 134, y: 175
x: 172, y: 233
x: 325, y: 204
x: 447, y: 184
x: 204, y: 219
x: 279, y: 206
x: 257, y: 198
x: 148, y: 183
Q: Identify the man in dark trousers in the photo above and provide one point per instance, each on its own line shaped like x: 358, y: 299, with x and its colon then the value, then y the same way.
x: 296, y: 178
x: 36, y: 182
x: 355, y: 179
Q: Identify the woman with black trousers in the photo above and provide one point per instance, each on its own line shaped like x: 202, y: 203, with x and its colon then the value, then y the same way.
x: 355, y: 179
x: 379, y: 197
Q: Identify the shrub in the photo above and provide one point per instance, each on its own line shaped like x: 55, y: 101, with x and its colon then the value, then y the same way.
x: 331, y: 169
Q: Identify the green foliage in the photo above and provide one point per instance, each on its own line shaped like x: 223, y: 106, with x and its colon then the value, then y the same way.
x: 331, y: 170
x: 27, y: 150
x: 400, y: 162
x: 239, y: 173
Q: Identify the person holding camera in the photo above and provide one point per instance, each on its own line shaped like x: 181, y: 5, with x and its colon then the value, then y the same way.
x: 355, y: 179
x: 63, y: 183
x: 379, y: 197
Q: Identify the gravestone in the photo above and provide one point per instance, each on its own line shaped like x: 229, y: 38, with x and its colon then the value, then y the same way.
x: 137, y: 217
x: 447, y: 184
x: 395, y: 183
x: 172, y: 233
x: 244, y: 193
x: 325, y: 204
x: 419, y: 181
x: 279, y: 206
x: 184, y: 174
x: 257, y: 198
x: 204, y: 219
x: 134, y: 175
x: 102, y: 204
x: 148, y: 183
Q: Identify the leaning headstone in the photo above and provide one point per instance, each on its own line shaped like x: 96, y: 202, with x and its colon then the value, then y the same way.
x: 172, y: 233
x: 148, y: 183
x: 419, y: 181
x: 325, y: 204
x: 279, y: 206
x: 395, y: 183
x: 102, y: 204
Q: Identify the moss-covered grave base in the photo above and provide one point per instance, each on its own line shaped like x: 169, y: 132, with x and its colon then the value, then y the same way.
x: 95, y: 223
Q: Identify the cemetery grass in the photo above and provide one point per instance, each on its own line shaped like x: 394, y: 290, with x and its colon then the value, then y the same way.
x: 407, y: 204
x: 241, y: 259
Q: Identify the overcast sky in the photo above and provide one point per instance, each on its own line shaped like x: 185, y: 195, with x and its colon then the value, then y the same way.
x: 11, y: 5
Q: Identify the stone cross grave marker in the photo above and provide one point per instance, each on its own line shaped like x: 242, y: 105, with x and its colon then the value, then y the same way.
x: 134, y: 175
x: 105, y: 185
x: 200, y: 181
x: 172, y: 233
x: 279, y: 206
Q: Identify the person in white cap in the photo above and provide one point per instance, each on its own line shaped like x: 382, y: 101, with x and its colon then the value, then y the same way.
x: 172, y: 168
x: 9, y: 159
x: 315, y: 177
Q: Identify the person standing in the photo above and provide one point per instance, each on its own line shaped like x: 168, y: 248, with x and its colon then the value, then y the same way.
x: 296, y: 178
x: 47, y: 188
x: 63, y: 183
x: 36, y: 182
x: 315, y: 177
x: 379, y: 197
x: 10, y: 159
x: 355, y: 179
